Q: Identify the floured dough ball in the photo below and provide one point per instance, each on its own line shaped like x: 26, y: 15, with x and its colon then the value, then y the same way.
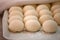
x: 55, y: 3
x: 15, y: 18
x: 31, y: 12
x: 48, y: 5
x: 44, y: 18
x: 15, y: 8
x: 41, y: 7
x: 16, y: 26
x: 27, y: 18
x: 54, y: 7
x: 56, y: 11
x: 50, y: 26
x: 32, y: 25
x: 34, y: 5
x: 57, y: 18
x: 14, y: 13
x: 28, y: 7
x: 45, y: 12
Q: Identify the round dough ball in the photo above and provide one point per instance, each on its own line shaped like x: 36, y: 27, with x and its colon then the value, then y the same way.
x: 28, y: 7
x: 41, y: 7
x: 15, y: 8
x: 14, y: 13
x: 45, y: 12
x: 55, y: 3
x: 15, y: 18
x: 16, y: 26
x: 27, y: 18
x: 50, y: 26
x: 57, y: 18
x: 32, y: 25
x: 56, y: 11
x: 31, y: 12
x: 34, y: 5
x: 44, y: 18
x: 54, y: 7
x: 48, y: 5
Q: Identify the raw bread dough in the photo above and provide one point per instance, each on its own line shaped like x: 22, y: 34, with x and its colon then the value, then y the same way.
x: 32, y: 25
x: 56, y: 11
x: 41, y: 7
x: 55, y: 3
x: 50, y: 26
x: 45, y: 12
x: 15, y: 8
x: 16, y: 26
x: 54, y: 7
x: 27, y: 18
x: 14, y: 13
x: 44, y: 18
x: 34, y: 5
x: 15, y: 18
x: 31, y: 12
x: 28, y: 7
x: 47, y: 4
x: 57, y: 18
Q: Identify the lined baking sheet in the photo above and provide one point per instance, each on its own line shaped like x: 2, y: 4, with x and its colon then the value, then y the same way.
x: 26, y: 35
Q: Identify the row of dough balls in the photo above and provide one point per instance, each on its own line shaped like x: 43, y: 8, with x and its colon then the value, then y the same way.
x: 56, y: 11
x: 16, y: 19
x: 46, y: 19
x: 31, y: 19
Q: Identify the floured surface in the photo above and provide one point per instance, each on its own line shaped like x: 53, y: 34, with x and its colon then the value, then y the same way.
x: 26, y: 35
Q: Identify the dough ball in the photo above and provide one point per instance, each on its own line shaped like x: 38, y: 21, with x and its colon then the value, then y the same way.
x: 15, y: 18
x: 28, y: 7
x: 55, y: 3
x: 50, y: 26
x: 15, y: 8
x: 45, y: 12
x: 27, y: 18
x: 54, y: 7
x: 56, y: 11
x: 48, y: 5
x: 34, y: 5
x: 32, y: 25
x: 14, y: 13
x: 41, y: 7
x: 31, y: 12
x: 57, y: 18
x: 44, y: 18
x: 16, y: 26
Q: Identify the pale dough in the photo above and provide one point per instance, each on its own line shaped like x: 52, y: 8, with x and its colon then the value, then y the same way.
x: 49, y: 26
x: 45, y: 12
x: 15, y: 18
x: 15, y: 8
x: 57, y: 18
x: 44, y: 18
x: 31, y: 12
x: 56, y: 11
x: 41, y: 7
x: 47, y: 4
x: 54, y: 7
x: 16, y: 26
x: 28, y: 7
x: 32, y: 25
x: 14, y: 13
x: 56, y: 3
x: 27, y: 18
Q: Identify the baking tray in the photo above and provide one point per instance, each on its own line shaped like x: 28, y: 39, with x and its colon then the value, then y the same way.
x: 26, y: 35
